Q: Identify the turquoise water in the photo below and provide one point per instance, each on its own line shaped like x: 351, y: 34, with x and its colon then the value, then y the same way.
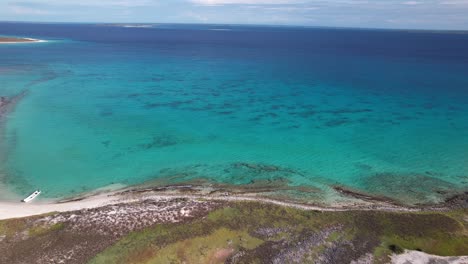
x: 102, y: 110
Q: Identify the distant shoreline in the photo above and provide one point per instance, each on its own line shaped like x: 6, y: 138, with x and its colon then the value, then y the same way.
x: 13, y: 40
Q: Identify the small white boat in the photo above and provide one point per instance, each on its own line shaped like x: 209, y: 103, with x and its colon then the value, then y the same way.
x: 31, y: 197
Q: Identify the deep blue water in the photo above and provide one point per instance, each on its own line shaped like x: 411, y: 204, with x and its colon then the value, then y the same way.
x: 384, y: 112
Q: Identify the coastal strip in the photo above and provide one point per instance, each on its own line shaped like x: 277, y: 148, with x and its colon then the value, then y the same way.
x: 130, y: 196
x: 150, y: 228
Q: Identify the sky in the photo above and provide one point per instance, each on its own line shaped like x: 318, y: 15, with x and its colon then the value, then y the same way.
x: 410, y: 14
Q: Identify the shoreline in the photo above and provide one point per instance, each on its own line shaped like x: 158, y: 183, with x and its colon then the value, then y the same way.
x: 9, y: 210
x: 129, y: 195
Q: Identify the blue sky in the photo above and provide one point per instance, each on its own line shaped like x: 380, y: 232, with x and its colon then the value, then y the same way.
x: 418, y: 14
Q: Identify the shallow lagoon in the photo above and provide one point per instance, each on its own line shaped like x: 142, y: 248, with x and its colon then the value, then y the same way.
x: 296, y: 107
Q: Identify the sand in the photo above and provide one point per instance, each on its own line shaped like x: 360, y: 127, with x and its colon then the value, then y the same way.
x: 19, y: 209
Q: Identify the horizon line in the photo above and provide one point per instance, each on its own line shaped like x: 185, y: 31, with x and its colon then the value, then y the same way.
x: 243, y: 24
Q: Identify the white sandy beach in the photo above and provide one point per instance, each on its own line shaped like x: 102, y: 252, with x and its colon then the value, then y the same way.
x: 19, y: 209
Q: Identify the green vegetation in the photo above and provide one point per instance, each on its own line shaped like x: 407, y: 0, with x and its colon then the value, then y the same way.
x: 260, y: 231
x: 249, y: 232
x: 44, y: 229
x: 214, y: 248
x: 11, y: 227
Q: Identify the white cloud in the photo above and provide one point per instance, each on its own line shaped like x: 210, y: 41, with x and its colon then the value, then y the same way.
x: 283, y: 2
x: 246, y: 2
x: 120, y: 3
x: 292, y: 8
x: 100, y: 3
x: 412, y: 3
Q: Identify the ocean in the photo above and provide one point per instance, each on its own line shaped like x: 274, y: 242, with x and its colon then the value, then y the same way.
x: 296, y: 110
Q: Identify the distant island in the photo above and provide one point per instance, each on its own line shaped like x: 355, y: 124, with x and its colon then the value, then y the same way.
x: 6, y: 40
